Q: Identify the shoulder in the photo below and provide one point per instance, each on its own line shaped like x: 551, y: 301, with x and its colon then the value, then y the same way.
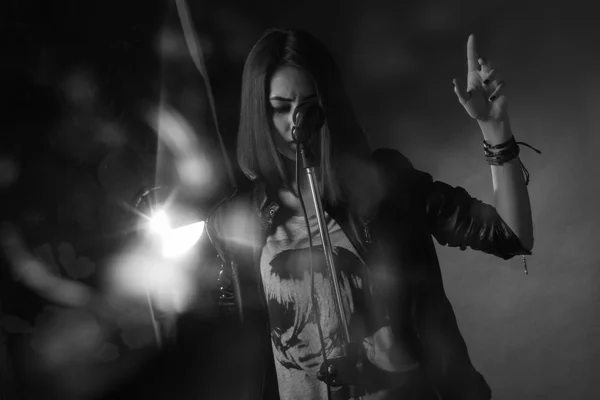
x: 231, y: 219
x: 226, y: 208
x: 391, y: 158
x: 405, y: 186
x: 398, y: 167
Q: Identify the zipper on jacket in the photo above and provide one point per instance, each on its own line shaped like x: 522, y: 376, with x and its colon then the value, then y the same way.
x: 367, y: 233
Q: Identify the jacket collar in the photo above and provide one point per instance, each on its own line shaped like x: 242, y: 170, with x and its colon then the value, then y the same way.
x: 266, y: 208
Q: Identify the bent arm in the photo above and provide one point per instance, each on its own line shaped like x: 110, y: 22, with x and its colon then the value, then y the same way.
x: 453, y: 217
x: 510, y: 191
x: 458, y: 220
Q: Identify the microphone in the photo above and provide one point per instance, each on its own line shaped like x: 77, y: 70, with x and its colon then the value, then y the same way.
x: 308, y: 118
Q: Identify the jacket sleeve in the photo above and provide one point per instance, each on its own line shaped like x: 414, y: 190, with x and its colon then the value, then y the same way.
x: 458, y: 220
x: 454, y: 218
x: 167, y: 321
x: 227, y: 300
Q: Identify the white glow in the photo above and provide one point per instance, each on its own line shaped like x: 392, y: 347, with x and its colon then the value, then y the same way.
x: 159, y: 222
x: 174, y: 242
x: 177, y: 241
x: 144, y: 271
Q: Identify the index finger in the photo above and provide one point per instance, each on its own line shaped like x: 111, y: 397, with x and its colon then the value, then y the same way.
x: 471, y: 54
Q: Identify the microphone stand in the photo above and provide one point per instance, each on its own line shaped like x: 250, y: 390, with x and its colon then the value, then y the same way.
x: 142, y: 200
x: 343, y: 370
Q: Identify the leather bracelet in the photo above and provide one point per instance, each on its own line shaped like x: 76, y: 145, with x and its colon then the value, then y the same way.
x: 501, y: 146
x: 509, y: 150
x: 504, y: 152
x: 502, y: 156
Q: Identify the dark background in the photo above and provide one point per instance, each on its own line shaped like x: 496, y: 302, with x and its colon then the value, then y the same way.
x: 76, y: 75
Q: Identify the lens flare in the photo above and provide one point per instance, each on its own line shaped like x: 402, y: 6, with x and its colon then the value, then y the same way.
x: 174, y: 242
x: 177, y: 241
x: 159, y: 223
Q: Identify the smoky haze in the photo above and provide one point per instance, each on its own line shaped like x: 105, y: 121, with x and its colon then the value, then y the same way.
x: 80, y: 76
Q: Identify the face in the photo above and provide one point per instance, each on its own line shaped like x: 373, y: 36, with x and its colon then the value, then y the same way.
x: 289, y: 87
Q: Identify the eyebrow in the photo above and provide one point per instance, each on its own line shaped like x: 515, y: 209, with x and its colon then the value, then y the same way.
x: 279, y: 98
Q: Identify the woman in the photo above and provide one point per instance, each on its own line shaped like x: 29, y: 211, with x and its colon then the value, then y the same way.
x: 381, y: 215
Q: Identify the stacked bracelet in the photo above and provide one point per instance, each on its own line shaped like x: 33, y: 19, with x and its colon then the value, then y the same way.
x: 504, y: 152
x: 501, y: 153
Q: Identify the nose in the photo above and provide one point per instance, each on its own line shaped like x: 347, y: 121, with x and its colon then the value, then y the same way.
x: 291, y: 114
x: 290, y: 120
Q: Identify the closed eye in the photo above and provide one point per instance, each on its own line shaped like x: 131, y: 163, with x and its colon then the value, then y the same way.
x: 282, y: 109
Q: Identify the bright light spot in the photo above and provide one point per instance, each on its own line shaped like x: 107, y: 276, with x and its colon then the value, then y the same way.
x: 178, y: 241
x: 159, y: 222
x: 143, y: 270
x: 174, y: 242
x: 195, y: 171
x: 193, y: 162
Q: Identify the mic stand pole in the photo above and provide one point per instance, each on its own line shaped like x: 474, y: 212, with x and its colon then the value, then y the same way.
x: 143, y: 200
x: 340, y: 371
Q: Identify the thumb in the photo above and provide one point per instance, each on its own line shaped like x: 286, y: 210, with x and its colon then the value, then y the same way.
x: 461, y: 91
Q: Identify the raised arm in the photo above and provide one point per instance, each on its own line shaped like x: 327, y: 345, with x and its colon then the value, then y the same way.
x: 484, y: 99
x: 453, y: 217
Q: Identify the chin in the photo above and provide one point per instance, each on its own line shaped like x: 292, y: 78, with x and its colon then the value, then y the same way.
x: 288, y: 154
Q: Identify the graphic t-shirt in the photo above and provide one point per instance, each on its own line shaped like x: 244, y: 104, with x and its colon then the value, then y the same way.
x: 285, y: 271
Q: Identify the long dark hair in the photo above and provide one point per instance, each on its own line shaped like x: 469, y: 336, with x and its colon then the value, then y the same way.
x: 341, y: 136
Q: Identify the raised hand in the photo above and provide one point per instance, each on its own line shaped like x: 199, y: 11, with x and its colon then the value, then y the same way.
x: 483, y: 95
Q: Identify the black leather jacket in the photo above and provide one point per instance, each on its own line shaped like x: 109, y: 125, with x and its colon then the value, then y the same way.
x: 398, y: 235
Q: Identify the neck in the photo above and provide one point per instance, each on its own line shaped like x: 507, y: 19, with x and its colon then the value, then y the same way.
x: 290, y: 166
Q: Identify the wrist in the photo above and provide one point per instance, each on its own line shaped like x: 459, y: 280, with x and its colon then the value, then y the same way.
x: 496, y: 132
